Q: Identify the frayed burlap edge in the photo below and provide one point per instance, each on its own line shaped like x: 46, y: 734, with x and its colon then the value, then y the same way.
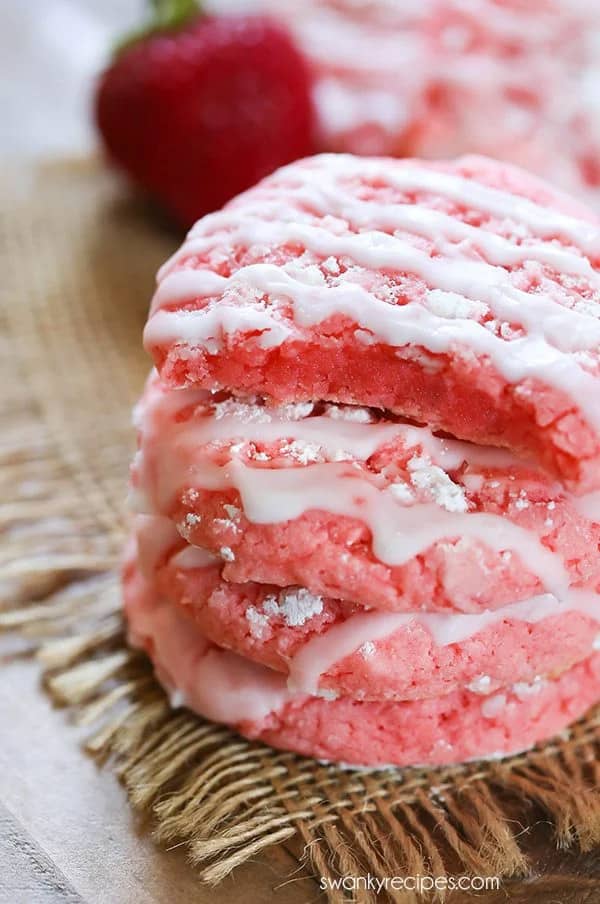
x: 68, y: 379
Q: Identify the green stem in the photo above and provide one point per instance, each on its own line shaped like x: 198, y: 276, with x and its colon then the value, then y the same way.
x: 172, y: 13
x: 167, y: 15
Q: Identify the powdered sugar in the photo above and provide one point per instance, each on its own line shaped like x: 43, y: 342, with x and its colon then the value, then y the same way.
x: 432, y: 480
x: 247, y: 411
x: 232, y: 511
x: 367, y: 649
x: 480, y: 685
x: 351, y: 413
x: 302, y: 452
x: 493, y: 706
x: 452, y: 306
x: 298, y: 605
x: 402, y: 492
x: 257, y: 621
x: 295, y: 411
x: 522, y: 501
x: 188, y: 524
x: 295, y: 605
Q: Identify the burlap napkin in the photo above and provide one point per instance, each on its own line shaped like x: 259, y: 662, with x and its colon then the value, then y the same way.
x: 77, y: 265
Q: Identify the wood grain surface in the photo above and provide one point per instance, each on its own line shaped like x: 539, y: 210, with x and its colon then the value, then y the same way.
x: 68, y: 834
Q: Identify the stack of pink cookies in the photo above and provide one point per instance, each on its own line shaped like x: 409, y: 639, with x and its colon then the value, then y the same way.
x: 368, y: 477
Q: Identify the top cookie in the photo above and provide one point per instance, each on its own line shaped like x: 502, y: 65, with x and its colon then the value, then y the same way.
x: 462, y: 295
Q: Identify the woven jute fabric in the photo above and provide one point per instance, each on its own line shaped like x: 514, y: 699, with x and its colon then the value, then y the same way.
x: 77, y: 267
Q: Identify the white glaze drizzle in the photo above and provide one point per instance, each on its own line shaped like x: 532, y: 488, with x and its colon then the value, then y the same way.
x: 228, y: 688
x: 526, y: 357
x: 222, y: 686
x: 321, y: 199
x: 158, y: 427
x: 169, y: 456
x: 399, y: 532
x: 552, y: 328
x: 472, y: 279
x: 542, y: 221
x: 317, y: 185
x: 321, y: 653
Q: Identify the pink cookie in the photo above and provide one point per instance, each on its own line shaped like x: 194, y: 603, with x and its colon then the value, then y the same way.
x: 420, y: 79
x: 355, y: 506
x: 331, y: 647
x: 255, y: 700
x: 462, y: 295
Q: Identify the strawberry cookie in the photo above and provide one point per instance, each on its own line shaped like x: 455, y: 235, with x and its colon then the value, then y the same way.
x: 355, y: 505
x: 256, y: 700
x: 332, y: 647
x: 420, y: 79
x: 462, y: 295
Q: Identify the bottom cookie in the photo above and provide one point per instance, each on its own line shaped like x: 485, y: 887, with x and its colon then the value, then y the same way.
x: 255, y: 700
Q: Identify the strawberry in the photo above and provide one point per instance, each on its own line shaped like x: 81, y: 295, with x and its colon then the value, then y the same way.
x: 201, y: 107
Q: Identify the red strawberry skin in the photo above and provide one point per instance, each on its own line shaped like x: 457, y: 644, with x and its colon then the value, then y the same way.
x: 198, y: 115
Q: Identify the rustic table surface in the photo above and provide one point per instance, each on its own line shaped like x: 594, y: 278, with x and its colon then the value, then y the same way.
x: 68, y: 834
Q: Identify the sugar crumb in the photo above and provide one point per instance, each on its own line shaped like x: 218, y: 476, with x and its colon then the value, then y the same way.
x: 298, y: 605
x: 480, y: 685
x: 401, y: 491
x: 351, y: 413
x: 302, y: 452
x: 295, y: 411
x: 247, y: 411
x: 367, y: 649
x: 232, y: 511
x: 434, y: 481
x: 332, y: 266
x: 257, y: 621
x: 453, y: 306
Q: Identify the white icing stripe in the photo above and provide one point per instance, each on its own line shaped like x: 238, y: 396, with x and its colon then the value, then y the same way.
x: 185, y: 287
x: 282, y: 211
x: 324, y: 199
x: 544, y: 222
x: 472, y: 279
x: 222, y: 686
x: 170, y: 455
x: 332, y: 435
x: 322, y: 653
x: 519, y: 359
x: 206, y: 327
x: 398, y: 532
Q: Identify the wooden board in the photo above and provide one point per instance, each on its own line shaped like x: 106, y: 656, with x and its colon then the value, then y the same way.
x: 68, y: 834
